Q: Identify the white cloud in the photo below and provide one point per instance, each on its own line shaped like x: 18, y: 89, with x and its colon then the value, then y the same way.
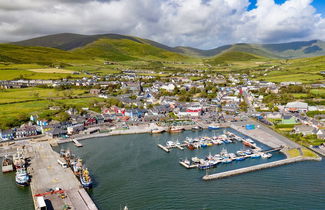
x: 197, y: 23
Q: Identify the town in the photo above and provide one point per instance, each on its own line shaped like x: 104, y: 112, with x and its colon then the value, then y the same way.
x: 129, y: 100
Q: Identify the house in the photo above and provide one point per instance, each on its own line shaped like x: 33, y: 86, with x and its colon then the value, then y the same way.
x: 305, y: 130
x: 95, y: 91
x: 288, y: 119
x: 169, y: 87
x: 42, y: 122
x: 100, y: 119
x: 296, y: 107
x: 33, y: 118
x: 90, y: 121
x: 321, y: 134
x: 26, y: 131
x: 75, y: 129
x: 56, y: 132
x: 274, y: 115
x: 6, y: 135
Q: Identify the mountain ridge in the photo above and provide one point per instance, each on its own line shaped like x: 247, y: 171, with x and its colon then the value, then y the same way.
x: 290, y: 50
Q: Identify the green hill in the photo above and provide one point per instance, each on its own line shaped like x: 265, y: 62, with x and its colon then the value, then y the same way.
x: 232, y: 56
x: 39, y: 55
x: 126, y: 49
x: 69, y: 41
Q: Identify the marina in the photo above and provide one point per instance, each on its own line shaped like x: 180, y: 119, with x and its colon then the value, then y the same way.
x: 212, y: 143
x: 118, y: 180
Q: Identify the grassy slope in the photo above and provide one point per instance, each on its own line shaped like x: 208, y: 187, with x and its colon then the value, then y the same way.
x: 232, y: 56
x: 124, y: 49
x: 38, y: 55
x: 306, y: 70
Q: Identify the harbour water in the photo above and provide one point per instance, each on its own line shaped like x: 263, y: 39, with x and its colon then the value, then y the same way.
x: 131, y: 170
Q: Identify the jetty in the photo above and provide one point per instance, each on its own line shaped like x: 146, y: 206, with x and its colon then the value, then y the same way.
x: 49, y: 176
x: 163, y: 148
x: 187, y: 165
x: 76, y: 142
x: 254, y: 168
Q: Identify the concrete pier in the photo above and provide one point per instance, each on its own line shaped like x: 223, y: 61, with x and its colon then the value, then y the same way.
x: 163, y: 148
x: 76, y: 142
x: 254, y: 168
x: 48, y: 174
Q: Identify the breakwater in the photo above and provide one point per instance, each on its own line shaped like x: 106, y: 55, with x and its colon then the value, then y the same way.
x: 256, y: 168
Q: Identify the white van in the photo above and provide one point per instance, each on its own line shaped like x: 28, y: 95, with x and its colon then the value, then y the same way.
x: 41, y: 203
x: 62, y: 163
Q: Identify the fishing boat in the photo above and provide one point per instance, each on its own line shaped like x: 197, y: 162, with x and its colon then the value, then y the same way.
x: 197, y: 128
x: 7, y: 164
x: 19, y: 159
x: 157, y: 130
x: 176, y: 129
x: 22, y: 178
x: 85, y: 179
x: 212, y: 127
x: 77, y: 167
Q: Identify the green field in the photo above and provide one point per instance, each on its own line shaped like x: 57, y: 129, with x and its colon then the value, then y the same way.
x: 15, y: 114
x: 318, y: 91
x: 29, y: 94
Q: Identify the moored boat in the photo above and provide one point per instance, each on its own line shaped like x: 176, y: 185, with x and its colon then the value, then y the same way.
x: 19, y: 159
x: 197, y: 128
x: 266, y: 155
x: 77, y: 167
x: 190, y: 147
x: 176, y: 129
x: 255, y: 155
x: 213, y: 127
x: 7, y: 164
x: 22, y: 177
x: 157, y: 130
x: 85, y: 179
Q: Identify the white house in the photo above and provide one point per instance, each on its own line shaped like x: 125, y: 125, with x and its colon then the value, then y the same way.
x: 169, y: 87
x: 296, y: 107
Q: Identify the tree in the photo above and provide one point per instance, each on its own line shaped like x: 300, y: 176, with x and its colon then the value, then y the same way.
x: 62, y: 117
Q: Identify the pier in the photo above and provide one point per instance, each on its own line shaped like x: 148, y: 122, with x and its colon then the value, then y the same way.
x: 48, y: 175
x: 254, y: 168
x: 76, y: 142
x: 187, y: 165
x: 163, y: 148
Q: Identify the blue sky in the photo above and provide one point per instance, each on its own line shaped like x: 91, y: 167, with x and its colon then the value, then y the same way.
x: 318, y: 4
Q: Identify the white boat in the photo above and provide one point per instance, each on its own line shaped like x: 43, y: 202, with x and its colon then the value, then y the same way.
x: 266, y: 155
x: 157, y: 130
x: 19, y: 159
x: 170, y: 144
x: 22, y: 178
x: 176, y: 129
x: 7, y: 164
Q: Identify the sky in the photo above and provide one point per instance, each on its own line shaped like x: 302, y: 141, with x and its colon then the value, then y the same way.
x: 203, y: 24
